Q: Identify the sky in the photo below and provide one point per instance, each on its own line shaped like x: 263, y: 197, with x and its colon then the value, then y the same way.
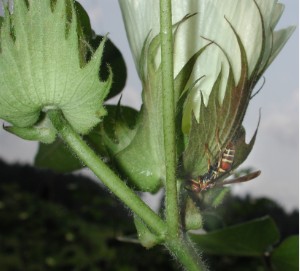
x: 276, y: 151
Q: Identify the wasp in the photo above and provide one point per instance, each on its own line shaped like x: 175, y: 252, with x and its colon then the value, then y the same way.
x: 215, y: 172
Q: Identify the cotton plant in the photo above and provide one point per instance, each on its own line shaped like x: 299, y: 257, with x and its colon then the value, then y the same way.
x: 198, y: 62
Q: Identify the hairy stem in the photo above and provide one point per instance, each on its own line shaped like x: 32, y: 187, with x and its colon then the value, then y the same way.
x: 105, y: 174
x: 172, y: 212
x: 176, y: 242
x: 186, y: 254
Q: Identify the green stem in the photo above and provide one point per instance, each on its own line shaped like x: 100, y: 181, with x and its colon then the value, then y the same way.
x: 105, y: 174
x: 176, y: 242
x: 186, y: 254
x: 172, y: 211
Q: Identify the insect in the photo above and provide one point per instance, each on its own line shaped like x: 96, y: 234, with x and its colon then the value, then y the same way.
x: 203, y: 183
x: 224, y: 163
x: 215, y: 172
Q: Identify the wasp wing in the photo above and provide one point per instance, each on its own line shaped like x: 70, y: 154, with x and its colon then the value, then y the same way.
x: 241, y: 179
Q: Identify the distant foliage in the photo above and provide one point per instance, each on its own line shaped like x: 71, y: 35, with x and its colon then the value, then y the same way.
x: 65, y: 222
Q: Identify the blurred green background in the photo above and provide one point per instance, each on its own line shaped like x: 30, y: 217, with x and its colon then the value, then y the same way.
x: 66, y: 222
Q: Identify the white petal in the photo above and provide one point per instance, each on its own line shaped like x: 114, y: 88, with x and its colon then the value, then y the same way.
x: 141, y: 18
x: 215, y: 20
x: 279, y: 40
x: 279, y: 8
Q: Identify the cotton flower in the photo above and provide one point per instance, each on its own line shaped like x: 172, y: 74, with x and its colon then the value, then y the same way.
x: 216, y: 20
x: 221, y: 49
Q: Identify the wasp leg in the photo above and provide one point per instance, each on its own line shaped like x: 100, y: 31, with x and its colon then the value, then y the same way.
x: 193, y: 185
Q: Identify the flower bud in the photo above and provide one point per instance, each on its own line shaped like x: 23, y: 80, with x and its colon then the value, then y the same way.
x: 41, y: 70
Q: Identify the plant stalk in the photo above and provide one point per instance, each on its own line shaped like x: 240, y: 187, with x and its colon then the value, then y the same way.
x: 105, y: 174
x: 186, y: 254
x: 171, y: 201
x: 176, y: 242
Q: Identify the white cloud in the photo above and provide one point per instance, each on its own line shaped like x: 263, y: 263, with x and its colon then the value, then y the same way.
x: 282, y: 124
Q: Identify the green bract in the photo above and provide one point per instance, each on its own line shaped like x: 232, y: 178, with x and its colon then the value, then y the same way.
x: 41, y: 69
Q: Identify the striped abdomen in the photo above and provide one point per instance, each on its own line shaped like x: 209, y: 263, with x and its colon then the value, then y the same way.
x: 226, y: 159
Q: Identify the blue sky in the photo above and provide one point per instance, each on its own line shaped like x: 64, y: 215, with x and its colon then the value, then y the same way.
x: 276, y: 149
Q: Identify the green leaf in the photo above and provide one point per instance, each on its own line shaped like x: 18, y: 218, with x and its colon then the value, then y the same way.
x: 112, y: 135
x: 286, y: 255
x: 212, y: 221
x: 117, y: 129
x: 84, y: 29
x: 146, y: 237
x: 84, y: 24
x: 252, y: 238
x: 192, y: 215
x: 112, y: 58
x: 215, y: 197
x: 43, y: 131
x: 57, y: 157
x: 41, y: 68
x: 142, y: 160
